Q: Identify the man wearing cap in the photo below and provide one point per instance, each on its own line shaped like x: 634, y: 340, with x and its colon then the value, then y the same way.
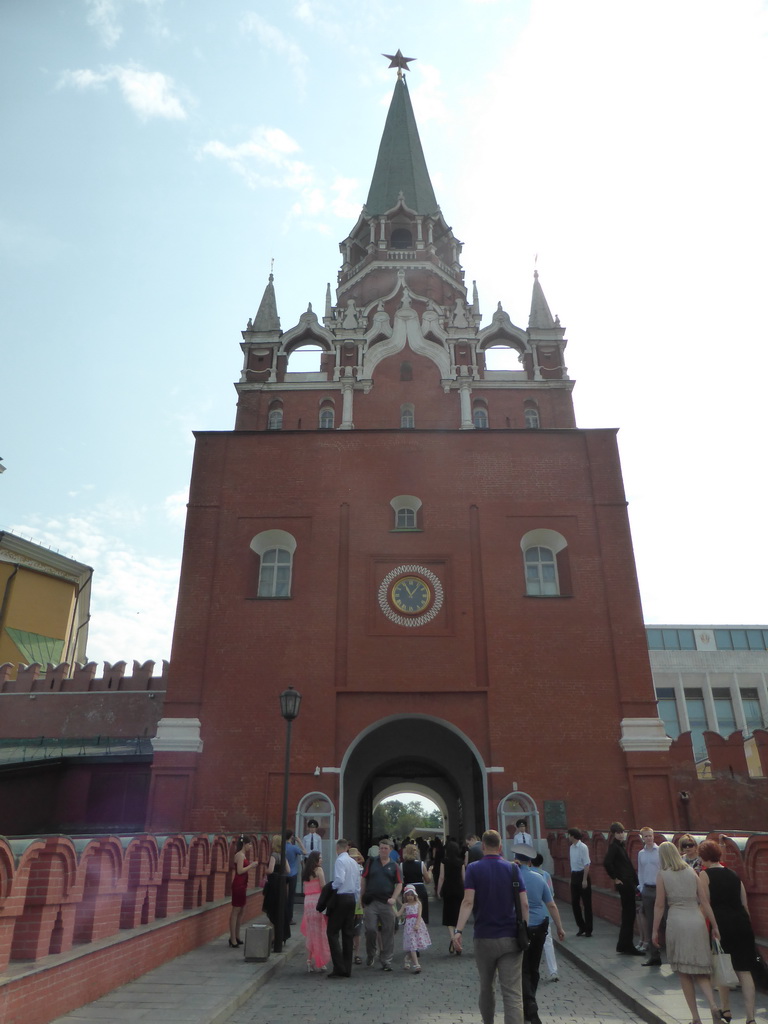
x: 521, y: 836
x: 381, y: 884
x: 540, y: 900
x: 619, y: 867
x: 312, y: 840
x: 488, y: 891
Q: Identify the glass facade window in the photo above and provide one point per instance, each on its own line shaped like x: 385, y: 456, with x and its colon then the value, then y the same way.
x: 667, y: 706
x: 741, y: 639
x: 697, y: 720
x: 275, y: 573
x: 726, y: 720
x: 540, y: 571
x: 671, y: 640
x: 750, y: 703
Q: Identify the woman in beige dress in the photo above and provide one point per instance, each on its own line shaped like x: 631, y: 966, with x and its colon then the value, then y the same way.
x: 688, y: 950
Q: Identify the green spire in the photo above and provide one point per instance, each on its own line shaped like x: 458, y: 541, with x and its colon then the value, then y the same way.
x: 400, y: 165
x: 540, y: 318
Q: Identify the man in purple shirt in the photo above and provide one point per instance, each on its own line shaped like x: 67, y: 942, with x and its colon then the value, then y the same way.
x: 488, y: 891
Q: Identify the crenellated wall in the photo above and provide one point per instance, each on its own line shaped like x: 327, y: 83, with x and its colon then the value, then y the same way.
x: 747, y: 856
x: 79, y: 916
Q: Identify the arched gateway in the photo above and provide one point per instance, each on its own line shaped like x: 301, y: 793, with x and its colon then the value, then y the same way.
x: 418, y: 753
x: 429, y: 550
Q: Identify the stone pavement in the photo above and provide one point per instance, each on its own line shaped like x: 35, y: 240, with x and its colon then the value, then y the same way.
x: 213, y: 985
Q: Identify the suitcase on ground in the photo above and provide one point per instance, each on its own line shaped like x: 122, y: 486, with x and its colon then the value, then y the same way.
x: 258, y: 942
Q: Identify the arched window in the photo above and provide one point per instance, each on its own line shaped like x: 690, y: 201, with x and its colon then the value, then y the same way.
x: 305, y: 359
x: 326, y: 417
x: 407, y: 419
x: 406, y: 508
x: 275, y: 549
x: 275, y: 417
x: 546, y: 564
x: 406, y: 371
x: 480, y: 416
x: 531, y: 416
x: 501, y: 357
x: 540, y: 571
x: 401, y: 238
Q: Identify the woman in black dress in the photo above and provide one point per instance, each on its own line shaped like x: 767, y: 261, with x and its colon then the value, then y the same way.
x: 728, y: 899
x: 416, y: 873
x: 450, y: 885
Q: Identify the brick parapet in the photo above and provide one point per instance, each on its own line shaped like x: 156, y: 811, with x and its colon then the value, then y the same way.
x: 747, y: 855
x: 59, y: 892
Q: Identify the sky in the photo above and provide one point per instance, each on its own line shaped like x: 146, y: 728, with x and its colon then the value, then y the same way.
x: 159, y: 154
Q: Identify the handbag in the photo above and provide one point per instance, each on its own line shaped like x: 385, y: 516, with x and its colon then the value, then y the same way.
x: 523, y: 935
x: 723, y: 974
x: 327, y: 899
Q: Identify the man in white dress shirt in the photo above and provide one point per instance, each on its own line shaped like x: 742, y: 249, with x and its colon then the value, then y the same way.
x: 312, y: 840
x: 581, y: 886
x: 521, y: 836
x: 346, y: 885
x: 648, y: 868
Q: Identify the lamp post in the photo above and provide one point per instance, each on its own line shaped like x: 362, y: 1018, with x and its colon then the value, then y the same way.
x: 290, y: 701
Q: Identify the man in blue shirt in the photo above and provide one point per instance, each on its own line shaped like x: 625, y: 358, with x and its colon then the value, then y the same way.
x: 294, y: 848
x: 488, y: 891
x: 540, y: 900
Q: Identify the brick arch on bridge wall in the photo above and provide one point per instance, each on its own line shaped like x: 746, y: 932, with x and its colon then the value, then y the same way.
x: 403, y: 751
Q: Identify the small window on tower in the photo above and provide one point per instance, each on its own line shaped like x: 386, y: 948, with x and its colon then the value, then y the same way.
x: 546, y: 564
x: 326, y: 417
x: 480, y: 416
x: 275, y: 418
x: 407, y: 419
x: 531, y: 416
x: 406, y: 508
x: 274, y: 550
x: 406, y: 371
x: 401, y: 238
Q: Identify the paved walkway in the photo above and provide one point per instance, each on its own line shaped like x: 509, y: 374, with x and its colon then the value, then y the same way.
x: 213, y: 985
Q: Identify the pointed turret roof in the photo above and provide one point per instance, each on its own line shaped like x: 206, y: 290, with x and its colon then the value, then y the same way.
x: 540, y: 318
x: 267, y: 318
x: 400, y: 165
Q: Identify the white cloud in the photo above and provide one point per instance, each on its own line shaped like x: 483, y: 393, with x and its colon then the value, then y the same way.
x: 428, y: 95
x: 133, y: 594
x: 175, y: 506
x: 148, y: 93
x: 276, y: 41
x: 346, y: 203
x: 264, y: 160
x: 103, y: 16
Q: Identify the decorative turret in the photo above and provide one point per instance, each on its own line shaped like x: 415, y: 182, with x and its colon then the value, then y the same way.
x: 403, y: 329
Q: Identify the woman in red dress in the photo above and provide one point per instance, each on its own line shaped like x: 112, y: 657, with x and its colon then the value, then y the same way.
x: 314, y: 925
x: 243, y: 864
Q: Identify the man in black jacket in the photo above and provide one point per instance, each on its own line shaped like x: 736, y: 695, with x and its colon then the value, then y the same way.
x: 620, y: 868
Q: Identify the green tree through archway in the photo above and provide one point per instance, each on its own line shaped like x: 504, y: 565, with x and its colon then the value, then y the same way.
x: 395, y: 818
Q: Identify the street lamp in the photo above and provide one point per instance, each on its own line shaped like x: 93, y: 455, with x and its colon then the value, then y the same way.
x: 290, y: 701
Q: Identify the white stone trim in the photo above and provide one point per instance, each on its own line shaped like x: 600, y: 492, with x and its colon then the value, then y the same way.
x: 178, y: 734
x: 643, y: 734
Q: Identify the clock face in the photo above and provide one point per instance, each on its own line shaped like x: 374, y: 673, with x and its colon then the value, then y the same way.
x: 410, y: 595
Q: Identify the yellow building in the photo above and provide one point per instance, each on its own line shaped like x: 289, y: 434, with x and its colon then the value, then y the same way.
x: 45, y: 602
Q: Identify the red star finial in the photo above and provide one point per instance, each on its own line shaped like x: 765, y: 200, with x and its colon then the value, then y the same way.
x: 398, y: 61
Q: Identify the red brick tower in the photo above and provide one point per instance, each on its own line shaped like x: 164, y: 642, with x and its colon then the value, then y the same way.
x: 429, y: 550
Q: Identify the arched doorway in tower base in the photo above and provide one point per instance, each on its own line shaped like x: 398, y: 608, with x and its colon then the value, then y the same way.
x: 413, y: 753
